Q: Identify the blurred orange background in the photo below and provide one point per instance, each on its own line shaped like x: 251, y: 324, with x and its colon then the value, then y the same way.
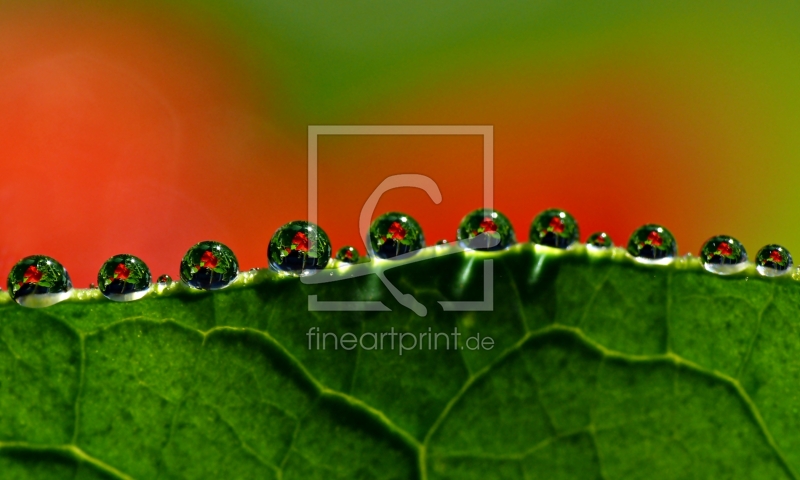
x: 145, y: 128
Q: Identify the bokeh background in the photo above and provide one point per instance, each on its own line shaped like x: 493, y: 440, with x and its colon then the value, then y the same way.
x: 145, y: 127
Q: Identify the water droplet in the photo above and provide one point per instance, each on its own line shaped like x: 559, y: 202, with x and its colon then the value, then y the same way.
x: 92, y: 286
x: 554, y: 228
x: 394, y: 234
x: 124, y: 278
x: 164, y: 280
x: 599, y: 240
x: 484, y: 229
x: 773, y: 260
x: 299, y: 248
x: 348, y: 254
x: 38, y: 281
x: 209, y: 265
x: 652, y: 244
x: 442, y: 242
x: 254, y: 270
x: 723, y: 255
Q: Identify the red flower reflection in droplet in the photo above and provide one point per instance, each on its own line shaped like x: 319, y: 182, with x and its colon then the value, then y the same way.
x: 724, y: 249
x: 31, y: 275
x: 209, y: 260
x: 655, y: 239
x: 396, y: 231
x: 121, y: 272
x: 556, y: 225
x: 776, y: 256
x: 487, y: 226
x: 300, y: 242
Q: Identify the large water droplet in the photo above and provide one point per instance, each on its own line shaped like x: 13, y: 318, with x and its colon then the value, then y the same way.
x: 38, y: 281
x: 484, y: 229
x: 394, y: 234
x: 554, y: 228
x: 124, y: 278
x: 599, y: 241
x: 348, y: 254
x: 652, y: 244
x: 723, y: 255
x: 209, y: 265
x: 773, y: 260
x: 299, y: 248
x: 164, y: 280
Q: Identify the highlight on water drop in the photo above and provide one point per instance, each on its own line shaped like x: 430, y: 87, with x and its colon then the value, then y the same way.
x: 773, y: 260
x: 348, y: 254
x: 209, y: 265
x: 599, y: 241
x: 652, y: 244
x: 38, y: 281
x: 299, y: 248
x: 164, y: 280
x: 124, y: 278
x: 485, y: 229
x: 394, y: 234
x: 554, y: 228
x: 723, y: 255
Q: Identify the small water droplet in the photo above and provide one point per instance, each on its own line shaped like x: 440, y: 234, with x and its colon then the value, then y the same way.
x: 554, y: 228
x: 92, y: 286
x: 599, y: 241
x: 796, y: 273
x: 393, y: 234
x: 124, y: 278
x: 348, y: 254
x: 652, y: 244
x: 164, y: 280
x: 484, y: 229
x: 723, y: 255
x: 209, y: 265
x: 442, y: 242
x: 299, y: 248
x: 773, y: 260
x: 38, y: 281
x: 254, y: 270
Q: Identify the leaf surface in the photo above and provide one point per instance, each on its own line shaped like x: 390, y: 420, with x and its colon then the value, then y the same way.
x: 600, y: 369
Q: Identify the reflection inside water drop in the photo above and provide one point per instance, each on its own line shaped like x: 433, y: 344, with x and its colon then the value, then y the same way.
x: 652, y: 244
x: 38, y: 281
x: 723, y: 255
x: 209, y: 265
x: 773, y: 260
x: 124, y: 278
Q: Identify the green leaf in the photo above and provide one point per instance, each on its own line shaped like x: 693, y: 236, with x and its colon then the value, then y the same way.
x: 600, y: 368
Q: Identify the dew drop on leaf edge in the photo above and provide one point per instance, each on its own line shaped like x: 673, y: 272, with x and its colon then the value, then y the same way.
x: 599, y: 241
x: 348, y: 254
x: 773, y: 260
x: 554, y: 228
x: 299, y: 248
x: 209, y: 265
x: 723, y: 255
x: 485, y: 229
x: 652, y: 244
x: 38, y: 281
x: 393, y: 234
x: 124, y: 278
